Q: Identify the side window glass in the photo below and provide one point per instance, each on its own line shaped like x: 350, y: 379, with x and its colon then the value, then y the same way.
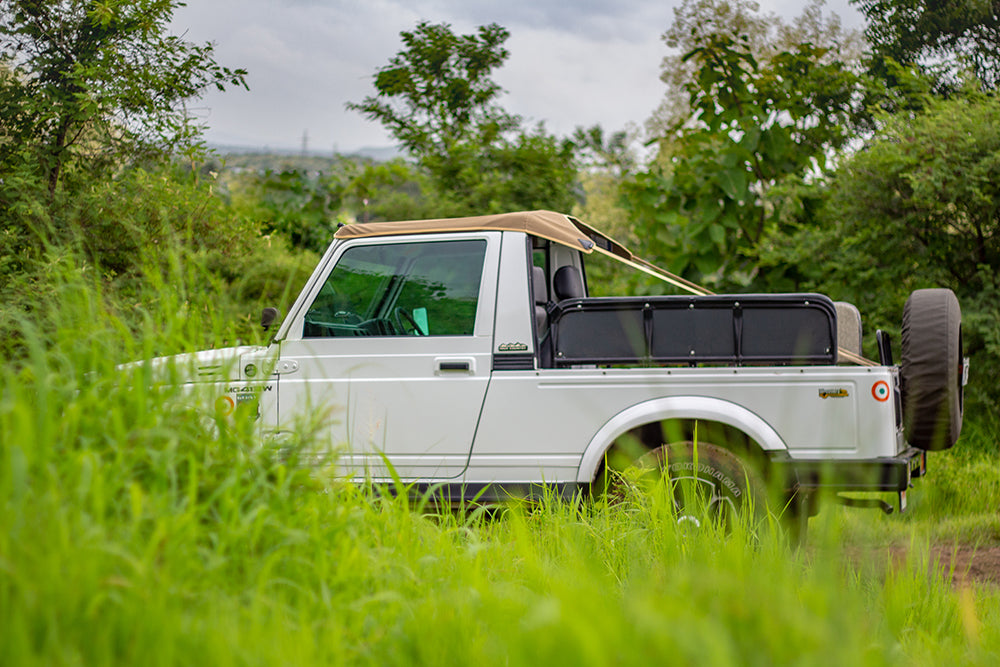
x: 400, y: 289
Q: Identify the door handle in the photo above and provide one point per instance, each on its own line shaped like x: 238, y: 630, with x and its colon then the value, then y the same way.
x: 455, y: 365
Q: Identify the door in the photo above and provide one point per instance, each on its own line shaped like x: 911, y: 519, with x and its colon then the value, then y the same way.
x: 391, y: 357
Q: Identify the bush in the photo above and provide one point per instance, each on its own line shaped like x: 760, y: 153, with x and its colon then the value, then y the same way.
x: 148, y: 241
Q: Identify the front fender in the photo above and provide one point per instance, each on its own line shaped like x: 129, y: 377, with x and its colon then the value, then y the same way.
x: 676, y: 407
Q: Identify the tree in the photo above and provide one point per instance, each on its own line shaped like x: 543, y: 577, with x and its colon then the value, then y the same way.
x: 764, y: 36
x: 437, y: 99
x: 757, y: 137
x: 943, y: 37
x: 611, y: 153
x: 93, y: 83
x: 437, y: 92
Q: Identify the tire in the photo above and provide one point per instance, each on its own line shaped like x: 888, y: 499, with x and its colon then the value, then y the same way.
x: 707, y: 482
x: 931, y: 369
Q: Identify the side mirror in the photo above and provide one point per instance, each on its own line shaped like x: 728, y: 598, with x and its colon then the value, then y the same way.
x: 268, y: 316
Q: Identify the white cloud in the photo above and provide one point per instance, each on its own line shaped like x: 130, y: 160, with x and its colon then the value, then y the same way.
x: 571, y: 63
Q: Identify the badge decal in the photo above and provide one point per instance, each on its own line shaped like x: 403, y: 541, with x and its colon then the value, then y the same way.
x: 880, y: 391
x: 225, y: 405
x: 833, y: 393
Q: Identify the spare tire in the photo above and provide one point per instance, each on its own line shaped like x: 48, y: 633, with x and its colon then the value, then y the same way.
x: 931, y: 369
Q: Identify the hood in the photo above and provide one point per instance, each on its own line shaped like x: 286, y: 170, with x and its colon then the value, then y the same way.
x: 223, y: 364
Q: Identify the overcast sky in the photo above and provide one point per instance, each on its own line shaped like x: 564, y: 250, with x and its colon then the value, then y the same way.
x: 572, y: 62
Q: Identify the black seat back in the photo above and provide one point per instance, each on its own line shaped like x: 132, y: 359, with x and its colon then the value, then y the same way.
x: 567, y: 283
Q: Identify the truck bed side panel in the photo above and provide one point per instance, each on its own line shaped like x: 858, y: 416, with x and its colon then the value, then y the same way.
x: 538, y: 424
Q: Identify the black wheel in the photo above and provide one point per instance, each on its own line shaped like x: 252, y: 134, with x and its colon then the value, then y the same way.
x: 708, y: 483
x: 931, y: 369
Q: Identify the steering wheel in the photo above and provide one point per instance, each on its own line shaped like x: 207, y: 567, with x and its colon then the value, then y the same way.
x: 403, y: 314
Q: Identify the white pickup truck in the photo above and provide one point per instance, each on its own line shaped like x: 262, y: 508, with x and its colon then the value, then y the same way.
x: 466, y: 354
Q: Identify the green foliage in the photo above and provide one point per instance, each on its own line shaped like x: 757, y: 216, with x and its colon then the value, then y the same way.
x: 932, y: 184
x: 532, y: 170
x: 304, y: 206
x: 945, y: 38
x: 437, y: 99
x: 91, y: 105
x: 611, y: 154
x: 132, y: 236
x: 301, y: 206
x: 602, y: 209
x: 765, y: 35
x: 718, y: 190
x: 437, y: 92
x: 91, y: 84
x: 388, y: 191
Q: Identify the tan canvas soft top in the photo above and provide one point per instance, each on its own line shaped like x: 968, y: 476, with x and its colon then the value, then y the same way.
x: 549, y: 225
x: 557, y: 227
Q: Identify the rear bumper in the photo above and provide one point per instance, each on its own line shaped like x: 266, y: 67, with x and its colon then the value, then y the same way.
x: 882, y: 474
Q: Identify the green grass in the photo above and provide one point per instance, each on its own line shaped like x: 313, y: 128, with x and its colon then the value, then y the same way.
x: 136, y: 530
x: 957, y: 502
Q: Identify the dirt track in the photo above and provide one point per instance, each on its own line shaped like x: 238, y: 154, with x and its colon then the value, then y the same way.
x: 979, y: 565
x: 963, y: 563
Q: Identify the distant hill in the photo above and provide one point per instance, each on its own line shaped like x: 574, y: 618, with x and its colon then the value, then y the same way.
x: 376, y: 153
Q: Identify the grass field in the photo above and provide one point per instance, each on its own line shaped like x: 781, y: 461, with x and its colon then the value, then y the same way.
x: 137, y: 531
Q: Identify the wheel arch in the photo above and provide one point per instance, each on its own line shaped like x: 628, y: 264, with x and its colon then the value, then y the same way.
x: 676, y: 407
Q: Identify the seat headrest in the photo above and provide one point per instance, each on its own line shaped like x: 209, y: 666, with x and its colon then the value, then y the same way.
x: 567, y: 283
